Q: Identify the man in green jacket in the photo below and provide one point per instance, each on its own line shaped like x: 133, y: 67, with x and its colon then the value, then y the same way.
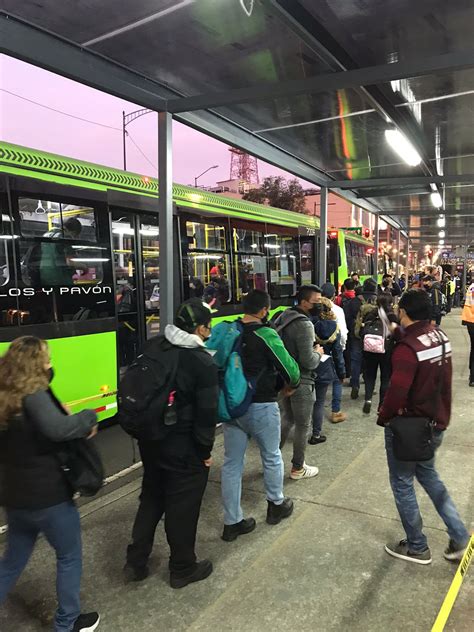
x: 264, y: 358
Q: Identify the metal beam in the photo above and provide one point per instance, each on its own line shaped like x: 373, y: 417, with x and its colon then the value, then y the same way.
x: 323, y: 235
x: 373, y: 183
x: 165, y: 210
x: 327, y: 82
x: 374, y: 193
x: 464, y: 212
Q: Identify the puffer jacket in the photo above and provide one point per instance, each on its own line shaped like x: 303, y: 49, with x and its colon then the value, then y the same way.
x: 297, y: 332
x: 329, y: 337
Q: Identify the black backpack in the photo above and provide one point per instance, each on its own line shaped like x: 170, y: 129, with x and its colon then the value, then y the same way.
x: 147, y: 392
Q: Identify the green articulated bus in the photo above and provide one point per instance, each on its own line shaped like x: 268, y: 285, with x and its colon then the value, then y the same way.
x: 79, y: 260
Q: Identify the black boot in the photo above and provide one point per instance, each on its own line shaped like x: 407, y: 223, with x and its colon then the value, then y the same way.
x: 201, y: 571
x: 135, y: 573
x: 232, y: 531
x: 355, y: 392
x: 276, y: 513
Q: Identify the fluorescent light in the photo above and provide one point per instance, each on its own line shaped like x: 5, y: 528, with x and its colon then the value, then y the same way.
x: 122, y: 230
x: 8, y: 236
x: 272, y: 246
x: 402, y: 146
x: 441, y: 221
x: 149, y: 232
x: 89, y: 260
x: 442, y: 234
x: 436, y: 199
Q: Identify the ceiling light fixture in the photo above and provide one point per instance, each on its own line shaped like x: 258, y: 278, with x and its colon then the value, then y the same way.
x: 442, y: 234
x: 436, y: 199
x: 402, y: 146
x: 441, y: 242
x: 441, y: 221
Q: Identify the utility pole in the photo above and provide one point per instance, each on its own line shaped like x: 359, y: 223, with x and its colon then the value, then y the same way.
x: 126, y: 120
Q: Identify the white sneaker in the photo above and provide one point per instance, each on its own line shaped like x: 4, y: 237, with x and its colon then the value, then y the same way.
x: 307, y: 471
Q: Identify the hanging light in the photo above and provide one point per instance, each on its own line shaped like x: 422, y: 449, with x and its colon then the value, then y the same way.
x: 402, y: 146
x: 436, y: 199
x: 441, y: 221
x: 442, y: 234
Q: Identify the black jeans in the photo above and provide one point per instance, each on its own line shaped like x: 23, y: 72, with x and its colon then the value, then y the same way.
x: 372, y: 362
x: 174, y: 482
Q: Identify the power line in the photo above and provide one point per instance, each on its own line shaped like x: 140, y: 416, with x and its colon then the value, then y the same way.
x: 47, y: 107
x: 142, y: 153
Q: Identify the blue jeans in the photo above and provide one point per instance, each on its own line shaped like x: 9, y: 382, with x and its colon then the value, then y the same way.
x: 318, y: 408
x: 262, y: 423
x: 402, y: 474
x: 336, y: 396
x: 356, y: 362
x: 61, y: 527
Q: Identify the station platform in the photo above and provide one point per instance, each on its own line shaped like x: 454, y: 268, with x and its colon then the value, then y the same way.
x: 322, y: 570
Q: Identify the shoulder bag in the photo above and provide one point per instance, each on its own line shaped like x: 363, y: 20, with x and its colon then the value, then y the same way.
x: 413, y: 436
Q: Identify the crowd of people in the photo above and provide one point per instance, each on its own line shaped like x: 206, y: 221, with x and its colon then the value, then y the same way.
x: 291, y: 363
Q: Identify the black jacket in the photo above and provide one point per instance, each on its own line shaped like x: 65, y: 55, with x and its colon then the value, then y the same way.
x: 352, y: 307
x: 197, y: 395
x: 32, y: 475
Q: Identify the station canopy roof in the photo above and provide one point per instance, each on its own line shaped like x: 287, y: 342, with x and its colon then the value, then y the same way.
x: 310, y: 86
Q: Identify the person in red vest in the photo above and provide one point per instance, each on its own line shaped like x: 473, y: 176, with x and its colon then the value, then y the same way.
x: 422, y: 352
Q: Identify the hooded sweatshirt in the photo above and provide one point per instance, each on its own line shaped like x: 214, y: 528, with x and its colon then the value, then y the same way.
x: 329, y: 337
x: 197, y: 391
x: 297, y: 332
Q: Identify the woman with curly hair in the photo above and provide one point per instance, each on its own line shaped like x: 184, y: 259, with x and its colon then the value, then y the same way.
x: 36, y: 494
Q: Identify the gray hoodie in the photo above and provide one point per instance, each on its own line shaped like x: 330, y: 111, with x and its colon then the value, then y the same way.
x: 297, y: 332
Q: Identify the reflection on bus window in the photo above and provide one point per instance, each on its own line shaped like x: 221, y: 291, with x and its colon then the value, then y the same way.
x: 251, y: 274
x: 306, y: 250
x: 358, y: 260
x: 5, y: 238
x: 58, y: 256
x: 123, y: 239
x: 205, y: 236
x: 206, y: 263
x: 42, y: 218
x: 282, y: 262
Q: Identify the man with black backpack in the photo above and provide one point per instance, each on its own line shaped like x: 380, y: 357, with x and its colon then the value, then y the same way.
x: 175, y: 427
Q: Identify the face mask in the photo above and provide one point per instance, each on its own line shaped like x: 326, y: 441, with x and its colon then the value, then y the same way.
x: 265, y: 319
x: 315, y: 310
x: 386, y: 283
x: 427, y: 287
x: 50, y: 374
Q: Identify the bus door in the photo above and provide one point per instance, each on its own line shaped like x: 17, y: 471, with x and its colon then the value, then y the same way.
x: 307, y: 260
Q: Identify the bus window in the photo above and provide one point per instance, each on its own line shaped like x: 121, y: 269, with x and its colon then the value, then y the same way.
x: 149, y: 235
x: 250, y: 261
x: 5, y: 239
x: 206, y: 262
x: 307, y: 261
x: 65, y: 269
x: 357, y: 258
x: 281, y: 255
x: 56, y: 220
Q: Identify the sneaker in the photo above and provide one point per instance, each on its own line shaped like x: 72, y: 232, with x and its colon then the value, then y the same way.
x: 276, y: 513
x: 471, y: 382
x: 315, y: 439
x: 307, y: 471
x: 355, y: 393
x: 367, y: 407
x: 402, y: 552
x: 201, y: 571
x: 232, y: 531
x: 336, y: 418
x: 86, y: 622
x: 454, y: 552
x: 135, y: 573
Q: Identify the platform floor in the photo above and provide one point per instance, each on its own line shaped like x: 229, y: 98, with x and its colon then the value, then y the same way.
x: 323, y: 569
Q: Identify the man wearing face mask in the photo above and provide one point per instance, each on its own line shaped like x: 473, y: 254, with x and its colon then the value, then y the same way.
x: 389, y: 285
x: 264, y: 358
x: 176, y: 468
x: 433, y: 290
x: 297, y: 331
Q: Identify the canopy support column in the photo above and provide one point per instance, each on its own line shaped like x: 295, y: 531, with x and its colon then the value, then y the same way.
x: 397, y: 275
x: 323, y: 235
x: 165, y: 209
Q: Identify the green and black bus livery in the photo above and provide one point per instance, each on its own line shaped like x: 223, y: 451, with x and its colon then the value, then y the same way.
x: 79, y: 262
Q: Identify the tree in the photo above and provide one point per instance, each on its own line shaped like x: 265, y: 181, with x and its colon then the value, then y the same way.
x: 280, y: 193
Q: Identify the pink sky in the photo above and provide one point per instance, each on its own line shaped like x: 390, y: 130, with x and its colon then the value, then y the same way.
x: 25, y: 123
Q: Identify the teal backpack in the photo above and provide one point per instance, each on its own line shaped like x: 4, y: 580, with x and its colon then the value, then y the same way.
x: 236, y: 391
